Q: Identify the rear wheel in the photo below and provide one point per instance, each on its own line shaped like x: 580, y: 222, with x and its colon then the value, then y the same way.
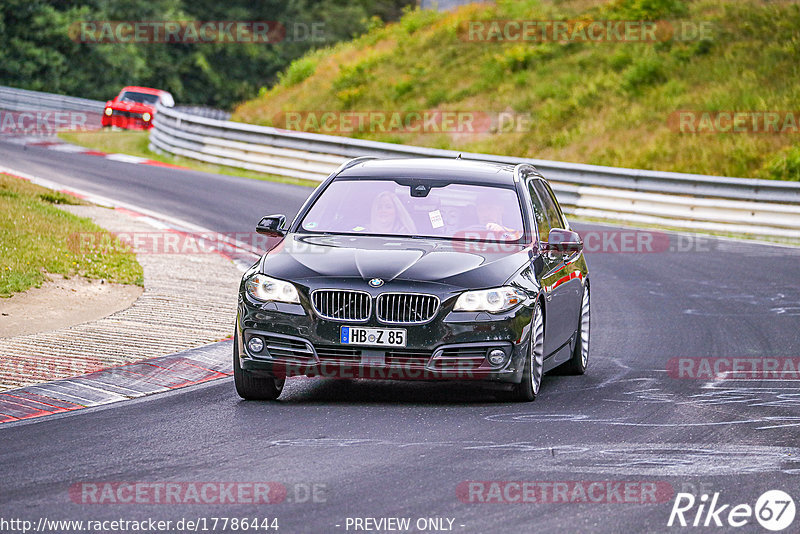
x: 528, y: 388
x: 250, y: 386
x: 580, y: 354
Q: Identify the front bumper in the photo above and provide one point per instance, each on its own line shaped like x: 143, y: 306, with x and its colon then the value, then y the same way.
x: 126, y: 120
x: 452, y: 347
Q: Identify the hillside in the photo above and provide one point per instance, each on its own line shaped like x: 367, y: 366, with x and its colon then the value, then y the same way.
x: 613, y: 102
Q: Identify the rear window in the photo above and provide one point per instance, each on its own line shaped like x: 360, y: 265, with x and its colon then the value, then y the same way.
x: 387, y: 208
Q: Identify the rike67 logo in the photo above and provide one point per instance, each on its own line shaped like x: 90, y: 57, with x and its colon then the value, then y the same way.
x: 774, y: 510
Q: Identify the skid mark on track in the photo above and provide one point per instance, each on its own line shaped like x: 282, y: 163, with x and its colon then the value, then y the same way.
x: 717, y: 393
x: 775, y: 299
x: 676, y: 459
x: 758, y: 423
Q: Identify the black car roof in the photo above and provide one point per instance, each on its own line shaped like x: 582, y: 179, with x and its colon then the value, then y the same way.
x: 435, y: 169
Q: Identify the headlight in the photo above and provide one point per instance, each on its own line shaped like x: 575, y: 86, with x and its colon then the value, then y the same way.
x: 108, y: 112
x: 262, y: 287
x: 491, y: 300
x: 145, y: 116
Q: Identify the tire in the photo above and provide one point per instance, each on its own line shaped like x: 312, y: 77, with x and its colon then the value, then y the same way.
x: 580, y: 353
x: 528, y: 388
x: 250, y: 386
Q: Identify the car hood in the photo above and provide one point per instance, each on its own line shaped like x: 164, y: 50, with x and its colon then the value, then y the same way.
x: 133, y: 107
x: 454, y: 263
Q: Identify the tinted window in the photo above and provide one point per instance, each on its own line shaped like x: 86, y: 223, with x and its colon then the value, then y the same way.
x: 549, y: 206
x: 539, y: 212
x: 561, y: 219
x: 384, y: 207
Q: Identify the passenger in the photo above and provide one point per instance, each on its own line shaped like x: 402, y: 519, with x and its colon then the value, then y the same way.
x: 388, y: 216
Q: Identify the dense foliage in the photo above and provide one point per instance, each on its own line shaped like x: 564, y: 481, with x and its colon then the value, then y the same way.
x: 37, y: 50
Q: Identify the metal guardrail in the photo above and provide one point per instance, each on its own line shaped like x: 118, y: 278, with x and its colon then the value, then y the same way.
x: 690, y: 201
x: 23, y: 100
x: 203, y: 111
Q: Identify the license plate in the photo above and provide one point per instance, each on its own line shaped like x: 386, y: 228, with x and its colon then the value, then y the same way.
x: 382, y: 337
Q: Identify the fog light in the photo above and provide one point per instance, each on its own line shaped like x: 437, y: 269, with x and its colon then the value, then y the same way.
x: 497, y: 356
x: 255, y: 344
x: 145, y: 117
x: 108, y: 112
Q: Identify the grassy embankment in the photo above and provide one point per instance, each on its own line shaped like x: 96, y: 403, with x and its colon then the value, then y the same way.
x: 37, y: 238
x: 605, y: 103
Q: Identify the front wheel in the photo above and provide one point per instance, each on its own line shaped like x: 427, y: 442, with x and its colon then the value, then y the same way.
x: 528, y: 388
x: 250, y: 386
x: 580, y: 354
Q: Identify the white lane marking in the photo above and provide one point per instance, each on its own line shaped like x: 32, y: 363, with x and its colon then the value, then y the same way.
x: 154, y: 223
x: 125, y: 158
x: 68, y: 148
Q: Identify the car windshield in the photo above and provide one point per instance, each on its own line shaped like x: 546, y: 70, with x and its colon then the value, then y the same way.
x: 139, y: 98
x: 387, y: 208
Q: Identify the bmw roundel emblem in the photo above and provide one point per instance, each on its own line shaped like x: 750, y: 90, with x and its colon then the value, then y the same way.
x: 376, y: 282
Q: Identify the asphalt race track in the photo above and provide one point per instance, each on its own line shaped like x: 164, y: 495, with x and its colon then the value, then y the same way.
x: 377, y: 449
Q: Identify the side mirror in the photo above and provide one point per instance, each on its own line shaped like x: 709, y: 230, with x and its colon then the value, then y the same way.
x: 272, y: 225
x: 564, y: 241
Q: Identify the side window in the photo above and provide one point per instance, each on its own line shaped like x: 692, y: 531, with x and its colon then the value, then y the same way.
x: 539, y: 212
x: 561, y: 218
x: 551, y: 210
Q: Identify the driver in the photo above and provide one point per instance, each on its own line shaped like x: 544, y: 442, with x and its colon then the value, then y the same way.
x: 490, y: 216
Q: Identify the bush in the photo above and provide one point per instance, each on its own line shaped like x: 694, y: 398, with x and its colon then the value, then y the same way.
x: 647, y: 70
x: 299, y: 70
x: 785, y: 166
x: 648, y: 9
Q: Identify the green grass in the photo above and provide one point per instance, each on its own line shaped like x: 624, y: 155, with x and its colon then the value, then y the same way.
x: 601, y: 103
x: 37, y: 238
x: 135, y: 143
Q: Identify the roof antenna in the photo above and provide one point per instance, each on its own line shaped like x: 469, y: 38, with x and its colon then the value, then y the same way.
x: 458, y: 157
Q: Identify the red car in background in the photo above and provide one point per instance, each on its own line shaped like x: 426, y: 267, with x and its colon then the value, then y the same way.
x: 134, y: 107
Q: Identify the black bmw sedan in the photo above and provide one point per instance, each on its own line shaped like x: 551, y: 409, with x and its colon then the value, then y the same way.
x: 417, y: 269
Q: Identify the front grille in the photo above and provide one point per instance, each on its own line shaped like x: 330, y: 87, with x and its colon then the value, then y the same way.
x: 407, y: 358
x: 460, y: 358
x: 129, y: 114
x: 406, y: 308
x: 338, y: 354
x: 288, y: 349
x: 342, y: 305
